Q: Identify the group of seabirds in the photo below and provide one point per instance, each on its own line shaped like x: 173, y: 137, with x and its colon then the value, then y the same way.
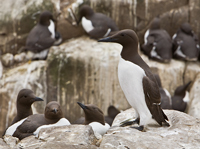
x: 141, y: 87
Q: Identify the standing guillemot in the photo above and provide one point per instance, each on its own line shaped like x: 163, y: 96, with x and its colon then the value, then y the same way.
x: 137, y: 81
x: 97, y: 25
x: 185, y: 44
x: 95, y: 118
x: 181, y: 97
x: 158, y: 43
x: 166, y: 102
x: 42, y: 37
x: 25, y: 99
x: 29, y: 125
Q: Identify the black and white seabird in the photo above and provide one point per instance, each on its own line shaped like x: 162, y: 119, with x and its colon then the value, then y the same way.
x: 166, y: 102
x: 181, y: 97
x: 185, y: 44
x: 95, y: 118
x: 137, y: 81
x: 97, y: 25
x: 157, y: 43
x: 28, y: 126
x: 42, y: 37
x: 25, y: 99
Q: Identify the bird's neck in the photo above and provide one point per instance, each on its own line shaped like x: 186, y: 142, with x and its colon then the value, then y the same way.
x: 129, y: 54
x: 24, y: 111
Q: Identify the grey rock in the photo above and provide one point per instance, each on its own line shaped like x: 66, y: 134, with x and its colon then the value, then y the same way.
x: 20, y: 57
x: 7, y: 59
x: 64, y: 136
x: 3, y: 145
x: 194, y: 105
x: 182, y: 133
x: 11, y: 141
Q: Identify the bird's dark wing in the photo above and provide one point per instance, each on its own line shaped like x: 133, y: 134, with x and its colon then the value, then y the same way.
x: 152, y: 98
x: 39, y: 39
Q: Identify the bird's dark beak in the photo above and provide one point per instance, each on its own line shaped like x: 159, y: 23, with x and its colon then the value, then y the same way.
x: 55, y: 111
x: 82, y: 105
x: 38, y: 99
x: 107, y: 39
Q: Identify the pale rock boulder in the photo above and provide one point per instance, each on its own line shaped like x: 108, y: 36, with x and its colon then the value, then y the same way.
x: 29, y: 75
x: 3, y: 145
x: 20, y: 57
x: 183, y: 132
x: 7, y: 59
x: 73, y: 136
x: 194, y: 105
x: 11, y: 141
x: 192, y: 69
x: 1, y: 69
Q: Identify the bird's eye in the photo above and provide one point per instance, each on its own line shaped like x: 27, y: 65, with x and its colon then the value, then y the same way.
x: 25, y: 96
x: 122, y: 34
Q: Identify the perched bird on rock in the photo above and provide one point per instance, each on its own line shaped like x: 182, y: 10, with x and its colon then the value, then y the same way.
x: 95, y: 118
x: 158, y: 43
x: 25, y: 99
x: 181, y: 97
x: 28, y: 126
x: 185, y: 44
x: 97, y: 25
x: 137, y: 81
x: 42, y: 37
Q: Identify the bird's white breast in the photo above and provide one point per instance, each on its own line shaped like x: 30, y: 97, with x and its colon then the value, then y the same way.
x: 10, y: 131
x: 51, y: 28
x: 61, y: 122
x: 145, y: 36
x: 87, y: 24
x: 98, y: 128
x: 130, y: 78
x: 187, y: 97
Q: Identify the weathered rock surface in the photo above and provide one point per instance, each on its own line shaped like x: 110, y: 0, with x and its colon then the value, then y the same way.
x: 194, y: 106
x: 72, y: 136
x: 182, y: 133
x: 29, y: 75
x: 3, y: 145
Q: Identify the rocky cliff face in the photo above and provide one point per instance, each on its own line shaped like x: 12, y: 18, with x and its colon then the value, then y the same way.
x: 81, y: 69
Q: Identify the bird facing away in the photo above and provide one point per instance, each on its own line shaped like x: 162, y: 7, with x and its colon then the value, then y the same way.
x: 181, y: 97
x: 28, y: 126
x: 25, y: 99
x: 43, y: 36
x: 137, y: 81
x: 185, y: 44
x: 112, y: 113
x: 97, y: 25
x: 158, y: 43
x: 166, y: 102
x: 95, y: 118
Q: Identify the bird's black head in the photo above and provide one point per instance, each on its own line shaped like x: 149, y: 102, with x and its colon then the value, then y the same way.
x: 45, y: 18
x: 26, y: 97
x: 53, y: 111
x: 85, y: 11
x: 92, y: 114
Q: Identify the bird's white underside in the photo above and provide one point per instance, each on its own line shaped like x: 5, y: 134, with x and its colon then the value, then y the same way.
x: 130, y: 78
